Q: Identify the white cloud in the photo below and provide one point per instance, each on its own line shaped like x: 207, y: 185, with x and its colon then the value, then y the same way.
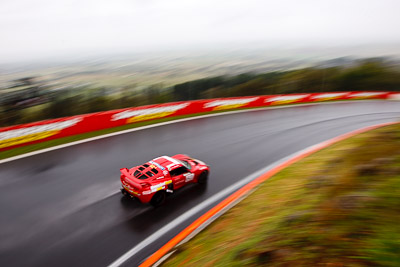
x: 52, y: 27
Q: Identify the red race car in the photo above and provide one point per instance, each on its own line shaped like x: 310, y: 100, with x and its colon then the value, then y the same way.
x: 151, y: 181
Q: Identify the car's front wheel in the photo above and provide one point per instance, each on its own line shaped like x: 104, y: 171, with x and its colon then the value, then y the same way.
x: 203, y: 178
x: 158, y: 198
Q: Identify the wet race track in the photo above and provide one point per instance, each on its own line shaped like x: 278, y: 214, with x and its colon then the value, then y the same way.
x: 64, y: 207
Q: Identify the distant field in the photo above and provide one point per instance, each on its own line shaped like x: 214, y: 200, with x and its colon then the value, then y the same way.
x: 148, y: 69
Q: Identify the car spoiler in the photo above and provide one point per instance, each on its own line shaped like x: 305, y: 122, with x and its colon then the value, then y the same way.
x: 135, y: 182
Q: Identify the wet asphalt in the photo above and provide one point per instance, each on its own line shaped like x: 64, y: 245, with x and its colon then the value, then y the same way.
x: 64, y: 208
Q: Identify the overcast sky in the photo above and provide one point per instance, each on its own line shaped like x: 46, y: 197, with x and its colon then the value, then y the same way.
x: 42, y: 28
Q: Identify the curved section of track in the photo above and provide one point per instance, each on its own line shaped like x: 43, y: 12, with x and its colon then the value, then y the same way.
x: 63, y: 207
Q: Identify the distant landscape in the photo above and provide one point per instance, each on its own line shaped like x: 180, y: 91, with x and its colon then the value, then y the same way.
x: 35, y: 91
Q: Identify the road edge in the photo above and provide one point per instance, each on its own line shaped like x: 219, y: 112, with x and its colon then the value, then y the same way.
x: 102, y: 136
x: 203, y: 221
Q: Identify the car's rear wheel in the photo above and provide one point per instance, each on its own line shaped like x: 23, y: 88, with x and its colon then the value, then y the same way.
x: 203, y: 178
x: 158, y: 199
x: 125, y: 193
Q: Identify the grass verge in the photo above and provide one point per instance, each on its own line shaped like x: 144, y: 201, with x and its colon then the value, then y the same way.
x: 43, y: 145
x: 30, y: 148
x: 337, y: 207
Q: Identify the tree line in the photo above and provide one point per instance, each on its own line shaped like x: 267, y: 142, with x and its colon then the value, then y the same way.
x: 366, y: 75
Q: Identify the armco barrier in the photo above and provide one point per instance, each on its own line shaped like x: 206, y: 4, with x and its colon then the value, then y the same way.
x: 26, y: 134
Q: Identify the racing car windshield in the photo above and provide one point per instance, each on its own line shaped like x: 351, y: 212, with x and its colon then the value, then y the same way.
x: 185, y: 163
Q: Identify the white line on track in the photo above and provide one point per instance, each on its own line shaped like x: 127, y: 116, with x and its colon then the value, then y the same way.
x: 220, y: 195
x: 161, y: 124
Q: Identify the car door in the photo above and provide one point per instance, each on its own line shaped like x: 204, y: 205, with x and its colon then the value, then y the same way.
x: 178, y: 176
x: 189, y: 177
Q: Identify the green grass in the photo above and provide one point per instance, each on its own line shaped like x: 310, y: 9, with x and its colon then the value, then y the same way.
x: 337, y: 207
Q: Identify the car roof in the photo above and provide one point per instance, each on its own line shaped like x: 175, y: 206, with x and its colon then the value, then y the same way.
x: 156, y: 168
x: 166, y: 162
